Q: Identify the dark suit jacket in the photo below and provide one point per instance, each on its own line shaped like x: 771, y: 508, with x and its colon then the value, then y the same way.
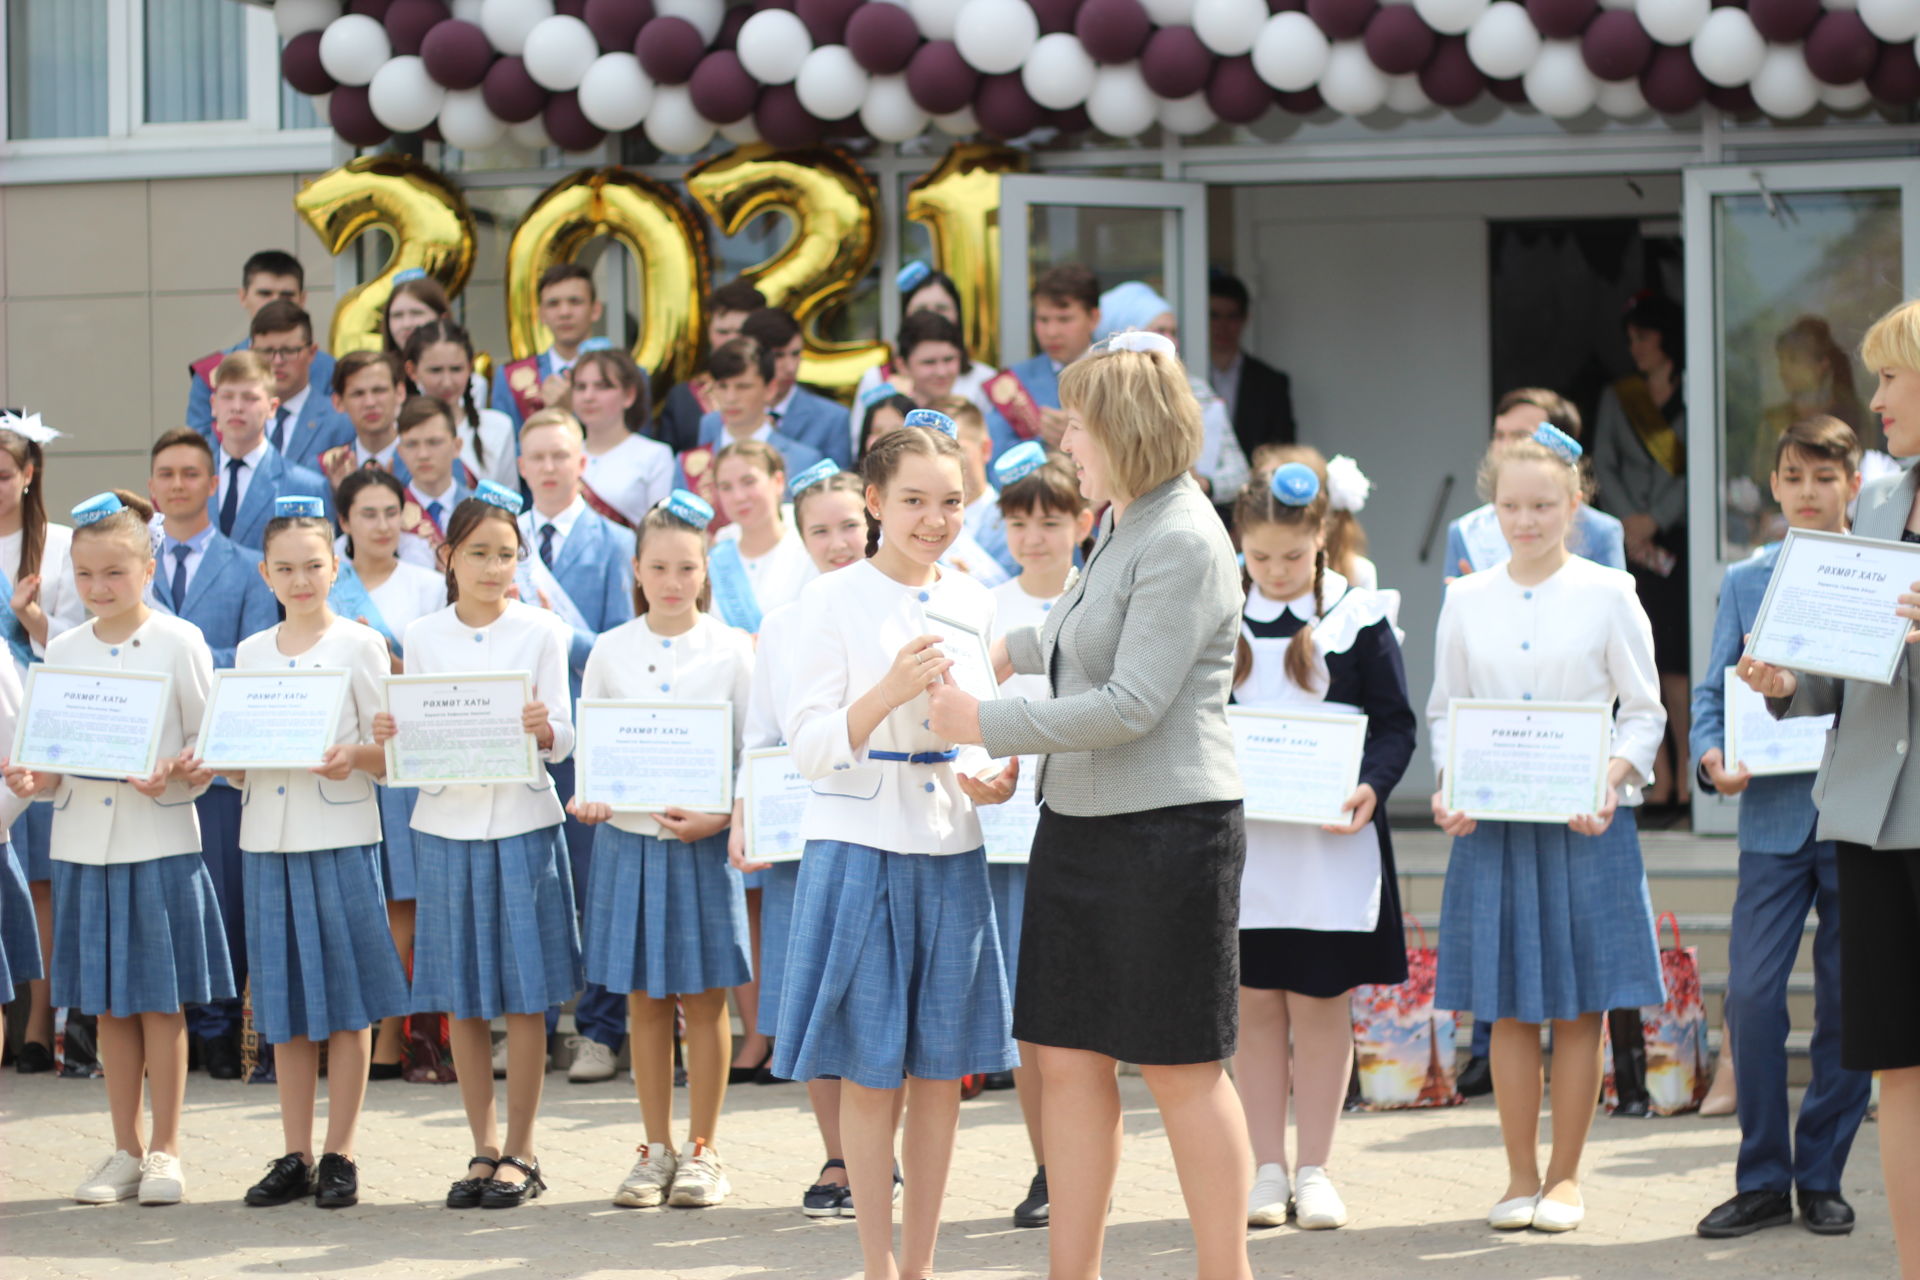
x: 1263, y: 410
x: 678, y: 426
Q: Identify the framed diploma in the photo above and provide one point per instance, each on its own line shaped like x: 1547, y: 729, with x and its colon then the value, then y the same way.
x: 1829, y: 607
x: 1765, y: 745
x: 460, y: 728
x: 1298, y: 766
x: 775, y: 802
x: 1526, y: 761
x: 94, y: 724
x: 1007, y: 829
x: 643, y: 757
x: 972, y: 668
x: 268, y: 719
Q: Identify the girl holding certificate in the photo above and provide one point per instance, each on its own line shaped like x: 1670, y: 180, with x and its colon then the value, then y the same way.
x: 1543, y: 921
x: 1319, y: 914
x: 666, y: 916
x: 495, y: 930
x: 323, y: 963
x: 136, y: 930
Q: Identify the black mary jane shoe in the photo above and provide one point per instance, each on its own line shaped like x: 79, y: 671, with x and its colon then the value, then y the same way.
x: 511, y: 1195
x: 288, y: 1179
x: 746, y: 1075
x: 466, y: 1193
x: 1746, y: 1213
x: 386, y: 1070
x: 336, y: 1185
x: 1032, y: 1212
x: 999, y: 1080
x: 33, y: 1059
x: 1825, y: 1213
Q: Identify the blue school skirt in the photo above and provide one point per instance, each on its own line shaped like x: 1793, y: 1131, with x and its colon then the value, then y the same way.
x: 1537, y: 923
x: 777, y: 885
x: 664, y: 917
x: 396, y: 842
x: 32, y: 837
x: 19, y: 931
x: 1008, y: 880
x: 138, y: 937
x: 893, y: 969
x: 319, y: 953
x: 494, y: 930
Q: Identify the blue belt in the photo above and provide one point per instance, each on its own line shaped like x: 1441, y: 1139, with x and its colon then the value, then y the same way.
x: 918, y: 757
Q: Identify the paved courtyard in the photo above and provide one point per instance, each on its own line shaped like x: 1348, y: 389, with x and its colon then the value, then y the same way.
x: 1418, y: 1183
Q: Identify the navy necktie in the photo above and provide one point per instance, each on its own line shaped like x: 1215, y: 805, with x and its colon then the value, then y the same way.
x: 280, y: 429
x: 546, y: 544
x: 180, y: 553
x: 230, y: 505
x: 433, y: 513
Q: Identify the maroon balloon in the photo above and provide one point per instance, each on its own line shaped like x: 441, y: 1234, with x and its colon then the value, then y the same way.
x: 1896, y: 77
x: 408, y: 22
x: 1113, y: 30
x: 432, y: 132
x: 669, y: 49
x: 1561, y: 19
x: 571, y: 8
x: 1236, y: 93
x: 1300, y: 102
x: 1175, y: 64
x: 826, y: 19
x: 1397, y: 41
x: 511, y: 93
x: 1004, y: 109
x: 1671, y: 84
x: 1342, y: 19
x: 1055, y: 15
x: 1783, y: 21
x: 1735, y: 101
x: 616, y: 23
x: 1840, y: 49
x: 1450, y: 78
x: 352, y: 117
x: 1070, y: 120
x: 939, y: 79
x: 1616, y: 46
x: 882, y: 38
x: 457, y: 54
x: 1285, y: 6
x: 729, y: 37
x: 568, y: 126
x: 375, y: 9
x: 788, y: 5
x: 300, y: 64
x: 782, y: 121
x: 1513, y: 92
x: 721, y: 89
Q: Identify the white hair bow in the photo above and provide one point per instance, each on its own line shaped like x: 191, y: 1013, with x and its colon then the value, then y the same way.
x: 29, y: 426
x: 1347, y: 485
x: 1144, y: 341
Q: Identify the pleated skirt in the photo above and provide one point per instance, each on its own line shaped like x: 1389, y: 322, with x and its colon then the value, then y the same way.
x: 396, y: 842
x: 893, y: 969
x: 1008, y: 881
x: 19, y: 931
x: 1538, y: 923
x: 32, y: 836
x: 664, y: 917
x: 319, y: 952
x: 777, y: 885
x: 138, y: 937
x: 494, y: 928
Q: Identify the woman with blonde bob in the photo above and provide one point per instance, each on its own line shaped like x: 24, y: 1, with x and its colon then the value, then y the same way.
x: 1129, y: 948
x: 1869, y: 801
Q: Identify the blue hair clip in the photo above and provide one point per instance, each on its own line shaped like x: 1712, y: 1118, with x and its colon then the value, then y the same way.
x: 1565, y: 446
x: 1019, y: 462
x: 98, y: 507
x: 596, y: 343
x: 819, y: 473
x: 1295, y: 484
x: 879, y: 391
x: 688, y: 508
x: 292, y: 505
x: 495, y: 494
x: 933, y: 420
x: 411, y: 273
x: 912, y: 276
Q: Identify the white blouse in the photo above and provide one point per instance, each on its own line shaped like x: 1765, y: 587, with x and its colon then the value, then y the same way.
x: 522, y: 639
x: 503, y: 453
x: 768, y: 697
x: 11, y: 805
x: 1014, y: 608
x: 1580, y: 636
x: 778, y: 575
x: 632, y: 476
x: 59, y: 597
x: 294, y: 810
x: 854, y: 623
x: 713, y: 662
x: 408, y: 594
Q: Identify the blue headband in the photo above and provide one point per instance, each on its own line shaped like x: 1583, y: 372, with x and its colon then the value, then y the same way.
x: 933, y: 420
x: 819, y: 473
x: 1019, y: 462
x: 293, y: 505
x: 98, y: 507
x: 873, y: 395
x: 688, y: 508
x: 1295, y: 484
x: 498, y: 495
x: 912, y: 276
x: 1565, y: 446
x: 411, y: 273
x: 596, y: 344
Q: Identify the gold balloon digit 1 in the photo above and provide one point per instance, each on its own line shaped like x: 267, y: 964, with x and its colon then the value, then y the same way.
x: 668, y: 245
x: 833, y: 206
x: 424, y: 214
x: 959, y: 203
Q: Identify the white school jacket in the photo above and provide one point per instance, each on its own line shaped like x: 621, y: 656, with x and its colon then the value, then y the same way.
x: 295, y: 810
x: 11, y: 805
x: 524, y: 639
x: 59, y: 597
x: 106, y: 823
x: 767, y: 700
x: 851, y: 626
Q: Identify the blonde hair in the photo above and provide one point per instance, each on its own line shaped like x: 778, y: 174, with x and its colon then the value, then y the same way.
x: 554, y: 418
x: 1498, y: 460
x: 1140, y: 407
x: 1894, y: 340
x: 965, y: 413
x: 241, y: 368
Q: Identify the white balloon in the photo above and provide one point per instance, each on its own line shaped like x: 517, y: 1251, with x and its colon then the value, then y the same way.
x: 705, y: 15
x: 1559, y: 83
x: 1059, y: 72
x: 297, y: 17
x: 531, y: 134
x: 615, y: 93
x: 1895, y: 21
x: 559, y: 51
x: 1503, y: 41
x: 1674, y: 22
x: 1291, y: 52
x: 1783, y: 87
x: 509, y: 22
x: 1406, y: 97
x: 468, y: 10
x: 1169, y: 13
x: 1121, y: 105
x: 403, y: 96
x: 1450, y: 17
x: 1729, y: 48
x: 890, y: 113
x: 1187, y: 115
x: 466, y: 123
x: 1845, y: 98
x: 958, y: 124
x: 673, y: 125
x: 995, y: 36
x: 353, y: 48
x: 1351, y: 84
x: 936, y: 17
x: 772, y: 45
x: 742, y: 132
x: 1229, y: 27
x: 1622, y: 99
x: 831, y: 85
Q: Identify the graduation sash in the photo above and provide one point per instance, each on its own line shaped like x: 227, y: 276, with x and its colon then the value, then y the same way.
x: 1015, y: 403
x: 733, y: 593
x: 696, y: 468
x: 415, y: 520
x: 1656, y: 435
x: 15, y: 630
x: 601, y: 506
x: 1486, y: 545
x: 351, y: 599
x: 535, y: 580
x: 523, y: 380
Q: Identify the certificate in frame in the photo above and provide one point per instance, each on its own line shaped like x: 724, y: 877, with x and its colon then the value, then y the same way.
x: 1829, y: 606
x: 972, y: 656
x: 237, y: 693
x: 57, y: 703
x: 1794, y: 745
x: 613, y: 737
x: 1279, y: 735
x: 1577, y: 737
x: 770, y: 776
x: 1007, y: 828
x: 512, y: 756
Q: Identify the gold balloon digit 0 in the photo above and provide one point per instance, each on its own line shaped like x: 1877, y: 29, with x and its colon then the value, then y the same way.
x: 833, y: 207
x: 958, y: 201
x: 668, y: 245
x: 425, y: 216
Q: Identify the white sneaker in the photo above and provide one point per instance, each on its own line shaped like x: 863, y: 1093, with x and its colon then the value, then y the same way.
x: 162, y: 1180
x: 500, y: 1058
x: 1267, y: 1206
x: 700, y: 1182
x: 114, y: 1178
x: 592, y: 1061
x: 1316, y: 1205
x: 647, y: 1182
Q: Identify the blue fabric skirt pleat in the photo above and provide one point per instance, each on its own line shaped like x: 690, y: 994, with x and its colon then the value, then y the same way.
x: 494, y: 929
x: 319, y: 950
x: 777, y: 886
x: 396, y: 842
x: 32, y: 836
x: 19, y: 930
x: 138, y: 937
x: 664, y: 917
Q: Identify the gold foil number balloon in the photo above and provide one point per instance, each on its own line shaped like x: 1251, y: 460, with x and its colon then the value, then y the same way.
x: 668, y: 245
x: 425, y: 216
x: 833, y: 206
x: 959, y: 203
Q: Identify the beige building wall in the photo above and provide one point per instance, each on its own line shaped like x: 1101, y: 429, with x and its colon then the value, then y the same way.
x: 108, y: 290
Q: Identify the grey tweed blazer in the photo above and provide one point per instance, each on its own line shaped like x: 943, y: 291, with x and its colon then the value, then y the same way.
x: 1140, y: 655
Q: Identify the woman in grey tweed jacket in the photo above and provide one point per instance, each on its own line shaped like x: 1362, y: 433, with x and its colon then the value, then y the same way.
x: 1129, y: 945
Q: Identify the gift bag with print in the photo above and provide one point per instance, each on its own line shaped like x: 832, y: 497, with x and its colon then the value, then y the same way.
x: 1674, y: 1033
x: 1403, y: 1046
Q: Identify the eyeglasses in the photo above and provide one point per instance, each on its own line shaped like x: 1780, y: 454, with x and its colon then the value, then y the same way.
x: 480, y: 559
x: 274, y: 355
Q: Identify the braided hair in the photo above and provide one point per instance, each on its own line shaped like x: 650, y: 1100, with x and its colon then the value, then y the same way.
x: 883, y: 460
x: 1257, y: 506
x: 432, y: 333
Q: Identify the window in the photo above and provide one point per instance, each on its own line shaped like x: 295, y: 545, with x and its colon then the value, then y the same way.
x: 56, y: 68
x: 195, y: 61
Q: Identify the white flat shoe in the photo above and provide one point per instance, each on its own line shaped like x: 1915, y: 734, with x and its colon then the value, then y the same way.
x: 1514, y: 1214
x: 1267, y: 1206
x: 1554, y: 1215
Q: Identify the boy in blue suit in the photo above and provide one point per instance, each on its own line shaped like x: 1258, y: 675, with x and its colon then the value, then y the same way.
x: 742, y: 373
x: 581, y: 567
x: 269, y: 276
x: 430, y: 450
x: 1784, y: 870
x: 569, y: 308
x: 207, y: 580
x: 1066, y: 315
x: 251, y: 473
x: 368, y: 387
x: 304, y: 424
x: 797, y: 413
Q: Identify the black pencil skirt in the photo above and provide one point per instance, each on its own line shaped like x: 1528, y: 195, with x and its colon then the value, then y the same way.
x: 1879, y: 965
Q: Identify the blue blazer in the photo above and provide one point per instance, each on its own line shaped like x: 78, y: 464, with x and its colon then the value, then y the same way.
x: 1038, y: 376
x: 595, y: 566
x: 200, y: 395
x: 1596, y: 536
x: 799, y: 454
x: 318, y: 428
x: 819, y: 423
x: 277, y: 476
x: 1776, y: 813
x: 227, y: 599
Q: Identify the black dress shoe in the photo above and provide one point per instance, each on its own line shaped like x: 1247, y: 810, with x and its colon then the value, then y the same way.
x: 288, y: 1179
x: 998, y: 1080
x: 1825, y: 1213
x: 385, y: 1070
x: 1032, y: 1212
x: 337, y: 1185
x: 466, y: 1193
x: 1476, y: 1078
x: 34, y: 1058
x: 1632, y: 1109
x: 221, y: 1057
x: 1748, y: 1212
x: 511, y: 1195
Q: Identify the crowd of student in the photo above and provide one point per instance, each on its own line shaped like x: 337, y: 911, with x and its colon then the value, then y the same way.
x: 391, y: 511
